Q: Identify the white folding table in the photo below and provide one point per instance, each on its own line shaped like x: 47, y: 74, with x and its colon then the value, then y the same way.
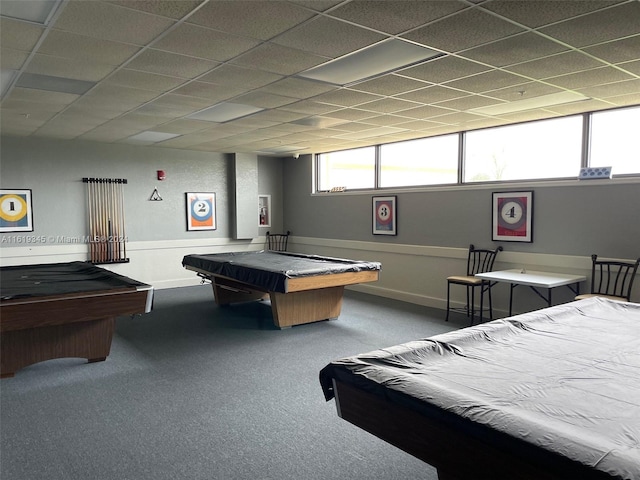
x: 533, y: 280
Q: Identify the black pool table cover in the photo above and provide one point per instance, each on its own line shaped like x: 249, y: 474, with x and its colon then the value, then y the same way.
x: 559, y: 385
x: 270, y: 270
x: 50, y: 279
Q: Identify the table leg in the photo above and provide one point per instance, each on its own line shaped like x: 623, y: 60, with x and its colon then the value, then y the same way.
x: 90, y: 340
x: 513, y: 285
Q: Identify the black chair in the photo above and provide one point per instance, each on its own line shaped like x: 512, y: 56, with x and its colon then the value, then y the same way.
x: 611, y: 279
x: 277, y: 242
x: 478, y: 261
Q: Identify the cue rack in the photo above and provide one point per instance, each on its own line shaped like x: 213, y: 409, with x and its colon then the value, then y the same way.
x: 105, y: 208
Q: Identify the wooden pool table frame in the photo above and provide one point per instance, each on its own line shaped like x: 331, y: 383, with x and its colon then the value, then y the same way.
x: 307, y: 299
x: 450, y: 448
x: 79, y: 325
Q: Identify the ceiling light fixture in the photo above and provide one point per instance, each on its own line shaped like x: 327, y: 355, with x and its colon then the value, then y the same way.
x: 54, y: 84
x: 378, y: 59
x: 224, y: 112
x: 530, y: 103
x: 151, y: 137
x: 6, y: 79
x: 36, y: 11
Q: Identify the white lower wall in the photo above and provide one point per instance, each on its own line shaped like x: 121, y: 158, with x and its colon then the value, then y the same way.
x: 410, y: 273
x: 158, y: 263
x: 417, y: 273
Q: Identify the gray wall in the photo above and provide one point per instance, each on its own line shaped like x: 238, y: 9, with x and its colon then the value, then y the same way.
x: 572, y: 218
x: 53, y: 170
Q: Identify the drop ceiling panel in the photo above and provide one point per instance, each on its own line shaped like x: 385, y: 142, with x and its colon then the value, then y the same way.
x: 278, y: 59
x: 41, y: 97
x: 554, y: 65
x: 19, y: 35
x: 433, y: 94
x: 470, y: 28
x: 536, y: 13
x: 387, y: 105
x: 617, y: 51
x: 182, y: 126
x: 297, y: 88
x: 12, y: 59
x: 266, y: 18
x: 166, y: 8
x: 328, y: 37
x: 346, y: 97
x: 144, y: 80
x: 111, y: 22
x: 214, y: 93
x: 389, y: 85
x: 607, y: 24
x: 395, y: 16
x: 204, y: 43
x: 310, y: 107
x: 596, y: 76
x: 165, y: 63
x: 516, y: 49
x: 65, y: 44
x: 444, y: 69
x: 233, y: 75
x: 483, y: 82
x: 154, y: 62
x: 67, y: 68
x: 264, y: 100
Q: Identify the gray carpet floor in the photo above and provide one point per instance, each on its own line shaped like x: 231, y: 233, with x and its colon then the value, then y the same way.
x: 193, y: 391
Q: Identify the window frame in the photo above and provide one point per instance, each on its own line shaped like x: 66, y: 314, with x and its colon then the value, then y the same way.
x: 585, y: 154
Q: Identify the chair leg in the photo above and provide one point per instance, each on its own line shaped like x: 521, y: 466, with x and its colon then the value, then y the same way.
x: 467, y: 300
x: 473, y: 304
x: 490, y: 302
x: 448, y: 288
x: 481, y: 301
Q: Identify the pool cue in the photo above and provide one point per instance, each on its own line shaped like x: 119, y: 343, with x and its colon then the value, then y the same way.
x: 90, y: 217
x: 96, y: 222
x: 103, y: 222
x: 115, y: 230
x: 124, y: 243
x: 109, y: 238
x: 118, y: 208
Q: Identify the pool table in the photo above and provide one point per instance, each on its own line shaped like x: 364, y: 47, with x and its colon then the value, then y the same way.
x: 63, y: 310
x: 302, y: 288
x: 547, y: 395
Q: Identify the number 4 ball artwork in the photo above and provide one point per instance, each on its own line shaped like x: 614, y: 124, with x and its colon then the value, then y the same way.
x: 512, y: 216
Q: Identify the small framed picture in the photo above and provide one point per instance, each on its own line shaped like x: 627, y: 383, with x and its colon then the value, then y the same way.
x: 16, y: 211
x: 512, y: 215
x: 384, y: 216
x: 264, y: 210
x: 201, y: 211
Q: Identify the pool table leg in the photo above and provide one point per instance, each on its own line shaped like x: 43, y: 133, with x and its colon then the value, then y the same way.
x: 306, y: 306
x: 89, y: 339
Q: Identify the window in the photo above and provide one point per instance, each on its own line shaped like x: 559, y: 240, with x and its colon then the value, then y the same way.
x: 533, y: 150
x: 615, y: 141
x: 536, y: 150
x: 428, y: 161
x: 352, y: 169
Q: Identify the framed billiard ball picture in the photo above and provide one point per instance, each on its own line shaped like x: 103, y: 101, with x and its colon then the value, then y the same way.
x: 201, y: 211
x: 512, y: 214
x: 16, y: 211
x: 384, y: 216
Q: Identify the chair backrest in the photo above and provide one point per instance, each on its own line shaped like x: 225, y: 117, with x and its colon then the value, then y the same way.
x: 612, y: 277
x: 277, y: 242
x: 481, y: 260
